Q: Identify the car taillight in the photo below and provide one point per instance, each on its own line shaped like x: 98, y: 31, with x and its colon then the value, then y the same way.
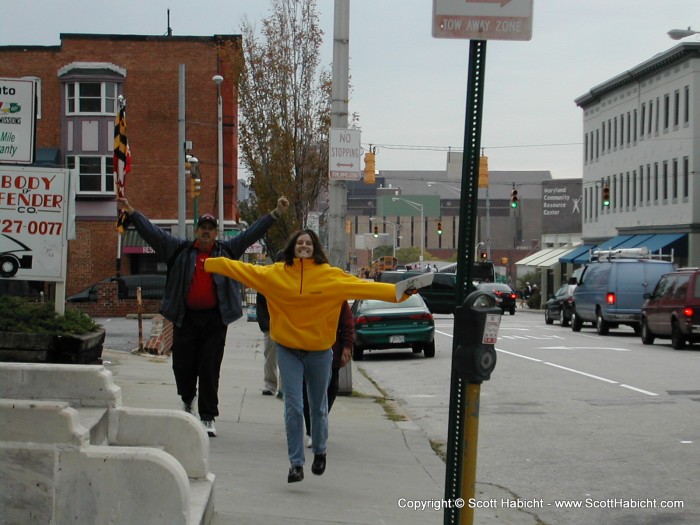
x: 365, y: 319
x: 610, y: 298
x: 513, y: 296
x: 688, y: 312
x: 421, y: 317
x: 498, y: 293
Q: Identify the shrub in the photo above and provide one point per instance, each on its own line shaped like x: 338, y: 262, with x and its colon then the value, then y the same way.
x: 18, y: 315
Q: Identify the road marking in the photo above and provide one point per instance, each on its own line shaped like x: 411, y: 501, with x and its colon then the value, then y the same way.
x: 581, y: 373
x: 573, y: 370
x: 639, y: 390
x: 583, y: 348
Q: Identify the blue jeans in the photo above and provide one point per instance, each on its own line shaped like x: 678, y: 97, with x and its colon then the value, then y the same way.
x: 295, y: 366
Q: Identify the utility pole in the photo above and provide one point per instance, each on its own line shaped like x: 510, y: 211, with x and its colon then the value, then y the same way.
x: 337, y: 189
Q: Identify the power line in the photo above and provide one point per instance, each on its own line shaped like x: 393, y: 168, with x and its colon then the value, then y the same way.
x: 417, y: 147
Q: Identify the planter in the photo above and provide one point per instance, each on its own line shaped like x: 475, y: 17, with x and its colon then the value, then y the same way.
x: 46, y: 348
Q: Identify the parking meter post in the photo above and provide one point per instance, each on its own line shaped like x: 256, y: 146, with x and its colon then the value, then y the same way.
x: 473, y: 361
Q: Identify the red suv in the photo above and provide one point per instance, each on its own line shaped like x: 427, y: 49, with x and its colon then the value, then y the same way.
x: 673, y: 309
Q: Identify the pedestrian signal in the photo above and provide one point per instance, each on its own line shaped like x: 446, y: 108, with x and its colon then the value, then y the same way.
x: 483, y: 255
x: 606, y: 196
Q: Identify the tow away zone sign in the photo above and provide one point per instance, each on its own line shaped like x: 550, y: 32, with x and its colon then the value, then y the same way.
x: 483, y: 19
x: 344, y: 154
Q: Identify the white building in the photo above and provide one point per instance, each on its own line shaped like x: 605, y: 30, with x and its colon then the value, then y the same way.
x: 642, y: 140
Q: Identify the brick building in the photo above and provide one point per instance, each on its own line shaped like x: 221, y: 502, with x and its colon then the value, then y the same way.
x: 78, y: 84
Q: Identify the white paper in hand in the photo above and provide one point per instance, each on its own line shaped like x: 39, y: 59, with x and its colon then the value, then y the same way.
x: 419, y: 281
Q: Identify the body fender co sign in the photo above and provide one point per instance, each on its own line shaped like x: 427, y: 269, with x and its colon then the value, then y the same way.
x: 33, y: 223
x: 17, y: 121
x: 483, y: 19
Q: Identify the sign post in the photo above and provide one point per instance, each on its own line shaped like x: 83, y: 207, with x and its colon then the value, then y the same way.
x: 479, y: 20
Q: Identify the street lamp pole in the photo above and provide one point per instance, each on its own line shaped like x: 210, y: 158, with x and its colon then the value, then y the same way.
x: 417, y: 206
x: 218, y: 79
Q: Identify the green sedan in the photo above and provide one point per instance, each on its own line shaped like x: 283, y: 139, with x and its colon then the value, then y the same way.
x: 381, y: 325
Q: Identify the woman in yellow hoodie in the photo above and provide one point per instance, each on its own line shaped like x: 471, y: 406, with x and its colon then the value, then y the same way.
x: 304, y: 295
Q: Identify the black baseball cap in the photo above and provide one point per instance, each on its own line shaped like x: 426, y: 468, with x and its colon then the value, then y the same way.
x: 208, y: 217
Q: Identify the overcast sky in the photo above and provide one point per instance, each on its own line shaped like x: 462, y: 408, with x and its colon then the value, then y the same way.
x: 409, y: 88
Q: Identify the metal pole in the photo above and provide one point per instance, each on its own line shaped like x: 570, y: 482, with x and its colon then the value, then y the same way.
x: 339, y: 119
x: 422, y: 237
x: 464, y: 396
x: 181, y: 185
x: 220, y: 138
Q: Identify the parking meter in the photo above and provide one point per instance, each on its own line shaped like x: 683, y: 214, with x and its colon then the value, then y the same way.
x: 476, y: 331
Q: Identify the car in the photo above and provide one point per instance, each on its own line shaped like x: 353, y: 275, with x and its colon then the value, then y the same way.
x: 440, y: 296
x: 381, y: 325
x: 152, y: 286
x: 559, y: 304
x: 505, y: 296
x: 672, y: 310
x: 612, y: 286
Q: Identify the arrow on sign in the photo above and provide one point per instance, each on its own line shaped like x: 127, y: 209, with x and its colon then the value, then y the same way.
x: 345, y: 165
x: 502, y: 2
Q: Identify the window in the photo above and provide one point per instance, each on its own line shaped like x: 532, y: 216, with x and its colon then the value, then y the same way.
x: 656, y: 117
x: 686, y: 109
x: 95, y: 173
x: 656, y: 181
x: 651, y: 115
x: 648, y: 183
x: 91, y: 97
x: 641, y: 120
x: 602, y: 136
x: 674, y: 179
x: 676, y: 108
x: 664, y: 189
x: 614, y: 133
x: 685, y: 178
x: 634, y: 126
x: 667, y: 110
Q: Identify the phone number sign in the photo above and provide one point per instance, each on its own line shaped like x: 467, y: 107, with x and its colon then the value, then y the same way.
x: 33, y: 223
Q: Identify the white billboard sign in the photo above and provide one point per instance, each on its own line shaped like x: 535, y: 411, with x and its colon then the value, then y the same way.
x: 34, y: 206
x: 483, y: 19
x: 17, y: 111
x: 344, y: 154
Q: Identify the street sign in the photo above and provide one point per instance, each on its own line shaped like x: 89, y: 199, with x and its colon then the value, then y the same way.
x: 344, y: 154
x: 483, y: 19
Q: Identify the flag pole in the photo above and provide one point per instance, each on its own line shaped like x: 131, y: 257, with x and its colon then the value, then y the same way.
x: 121, y: 167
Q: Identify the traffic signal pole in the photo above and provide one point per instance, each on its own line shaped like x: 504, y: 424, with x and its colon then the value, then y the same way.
x: 460, y: 477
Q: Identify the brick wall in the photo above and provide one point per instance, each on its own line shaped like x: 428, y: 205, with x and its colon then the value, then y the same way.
x: 108, y: 303
x: 151, y: 89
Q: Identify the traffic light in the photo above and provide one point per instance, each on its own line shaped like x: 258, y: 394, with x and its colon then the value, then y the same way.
x: 196, y: 186
x: 483, y: 255
x: 606, y: 196
x: 439, y: 228
x: 348, y: 226
x: 376, y: 231
x: 370, y: 167
x: 514, y: 198
x: 483, y: 172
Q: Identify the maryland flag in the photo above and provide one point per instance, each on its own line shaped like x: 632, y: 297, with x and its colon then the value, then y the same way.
x: 122, y: 159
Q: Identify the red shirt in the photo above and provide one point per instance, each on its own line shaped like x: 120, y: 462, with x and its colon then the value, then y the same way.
x: 202, y: 292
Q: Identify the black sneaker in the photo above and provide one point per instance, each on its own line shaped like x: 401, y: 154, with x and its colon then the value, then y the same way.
x: 318, y: 467
x: 295, y: 474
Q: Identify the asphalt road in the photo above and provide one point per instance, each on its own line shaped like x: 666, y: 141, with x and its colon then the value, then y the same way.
x: 571, y: 419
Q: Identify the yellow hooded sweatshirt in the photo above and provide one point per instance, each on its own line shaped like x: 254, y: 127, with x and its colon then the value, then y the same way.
x: 304, y: 299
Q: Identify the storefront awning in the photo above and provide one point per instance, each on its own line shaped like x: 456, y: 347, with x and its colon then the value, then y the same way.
x: 579, y: 252
x: 554, y: 257
x: 532, y: 259
x: 133, y: 243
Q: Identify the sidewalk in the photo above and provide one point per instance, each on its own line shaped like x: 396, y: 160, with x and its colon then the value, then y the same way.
x: 374, y: 464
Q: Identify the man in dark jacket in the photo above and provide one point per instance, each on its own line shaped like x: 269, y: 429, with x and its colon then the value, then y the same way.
x: 200, y: 305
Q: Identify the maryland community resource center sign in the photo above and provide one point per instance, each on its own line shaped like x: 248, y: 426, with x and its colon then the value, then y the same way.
x: 17, y: 110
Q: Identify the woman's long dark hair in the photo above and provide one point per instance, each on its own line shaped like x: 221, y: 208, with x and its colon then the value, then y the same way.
x: 319, y: 256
